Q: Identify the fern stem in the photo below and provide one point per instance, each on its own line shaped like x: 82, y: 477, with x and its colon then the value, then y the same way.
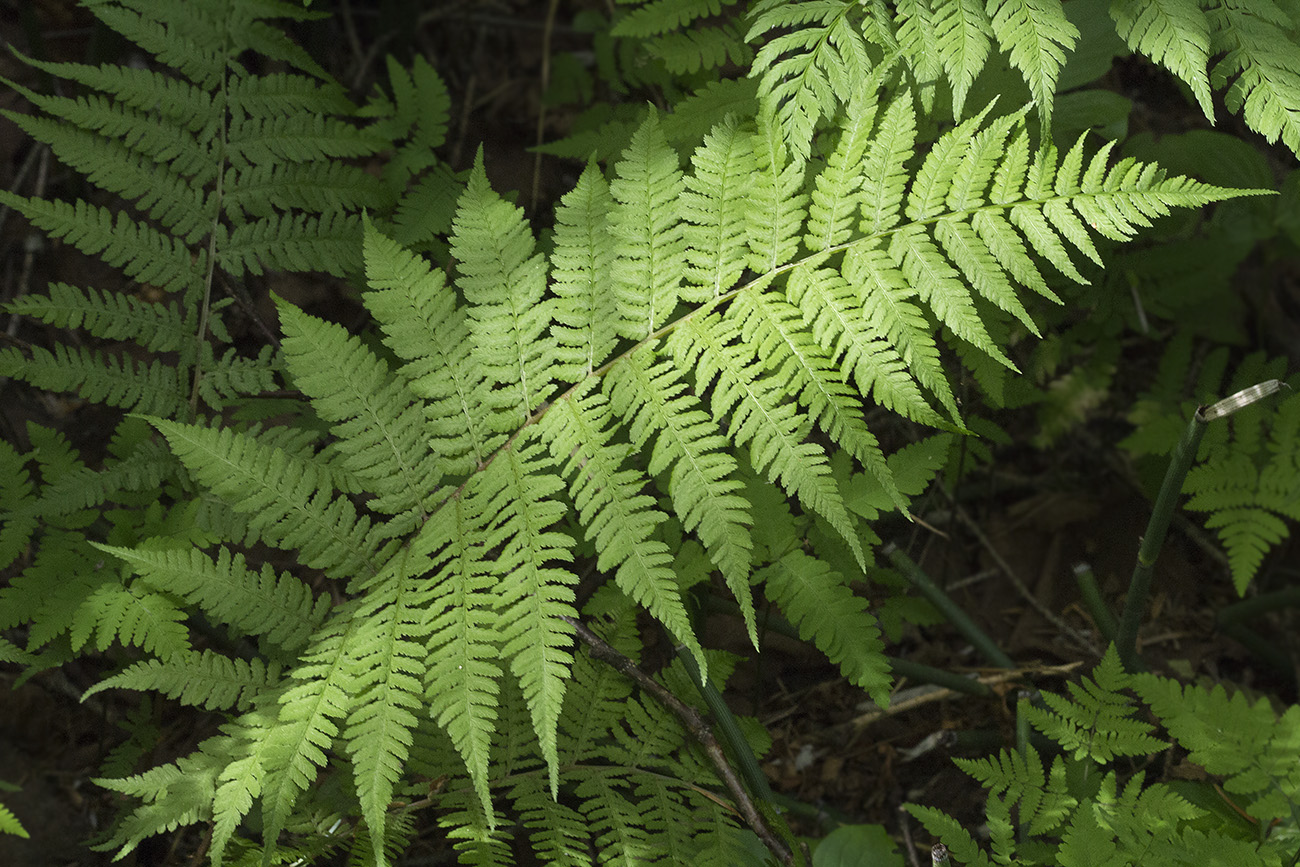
x: 1162, y: 513
x: 1097, y: 607
x: 951, y: 610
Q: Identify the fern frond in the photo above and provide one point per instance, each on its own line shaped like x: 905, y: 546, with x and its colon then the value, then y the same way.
x: 915, y: 32
x: 422, y: 325
x: 713, y: 208
x: 1260, y: 61
x: 1173, y: 33
x: 660, y: 16
x: 1044, y: 798
x: 19, y: 513
x: 836, y: 197
x: 1036, y: 36
x: 292, y: 242
x: 206, y: 679
x: 503, y: 281
x: 961, y: 30
x: 559, y: 834
x: 279, y: 608
x: 700, y: 48
x: 650, y: 255
x: 1098, y: 722
x: 373, y: 415
x: 175, y: 794
x: 817, y: 601
x: 288, y: 498
x: 758, y: 418
x: 581, y: 260
x: 615, y: 512
x: 652, y: 398
x: 150, y: 387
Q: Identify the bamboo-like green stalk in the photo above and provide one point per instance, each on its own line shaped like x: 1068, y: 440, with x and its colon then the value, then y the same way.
x: 951, y: 610
x: 1097, y: 607
x: 1163, y: 511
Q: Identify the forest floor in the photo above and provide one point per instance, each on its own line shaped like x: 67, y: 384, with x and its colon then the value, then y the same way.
x: 1004, y: 541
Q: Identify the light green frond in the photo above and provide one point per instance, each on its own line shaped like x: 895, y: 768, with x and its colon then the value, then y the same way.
x: 135, y: 615
x: 143, y: 386
x: 462, y: 680
x: 582, y: 259
x: 206, y: 679
x: 961, y: 31
x: 109, y: 315
x: 279, y: 608
x: 1036, y: 36
x: 378, y: 424
x: 141, y: 252
x: 616, y: 513
x: 915, y: 32
x: 307, y: 723
x: 417, y: 311
x: 1260, y: 62
x: 1173, y: 33
x: 503, y: 281
x: 713, y: 207
x: 836, y: 196
x: 535, y: 593
x: 776, y: 207
x: 759, y: 417
x: 817, y: 600
x: 174, y: 794
x: 652, y: 398
x: 776, y: 330
x: 288, y: 499
x: 650, y: 255
x: 1098, y: 721
x: 240, y: 781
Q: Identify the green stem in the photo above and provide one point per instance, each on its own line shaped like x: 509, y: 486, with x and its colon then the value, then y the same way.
x: 1261, y: 604
x: 951, y: 610
x: 1091, y: 593
x: 1139, y: 587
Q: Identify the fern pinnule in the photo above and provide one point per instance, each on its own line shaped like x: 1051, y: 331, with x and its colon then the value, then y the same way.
x: 582, y: 256
x: 776, y: 208
x: 207, y: 679
x: 1175, y: 35
x: 713, y: 208
x: 1045, y: 803
x: 837, y: 197
x: 158, y: 327
x: 134, y: 614
x: 1036, y: 36
x: 650, y: 249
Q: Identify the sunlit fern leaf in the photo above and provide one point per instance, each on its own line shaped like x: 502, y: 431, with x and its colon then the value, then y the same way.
x: 962, y: 31
x: 1173, y: 33
x: 307, y: 724
x: 536, y: 592
x: 775, y: 216
x: 915, y: 31
x: 1258, y: 46
x: 652, y: 398
x: 503, y: 281
x: 287, y: 499
x: 713, y: 208
x: 1036, y: 36
x: 614, y: 512
x: 817, y: 600
x: 884, y: 170
x: 836, y: 198
x: 461, y: 682
x: 174, y: 794
x: 387, y: 693
x: 135, y: 615
x: 373, y: 414
x: 774, y: 328
x: 581, y: 260
x: 757, y: 418
x: 650, y: 250
x: 417, y: 311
